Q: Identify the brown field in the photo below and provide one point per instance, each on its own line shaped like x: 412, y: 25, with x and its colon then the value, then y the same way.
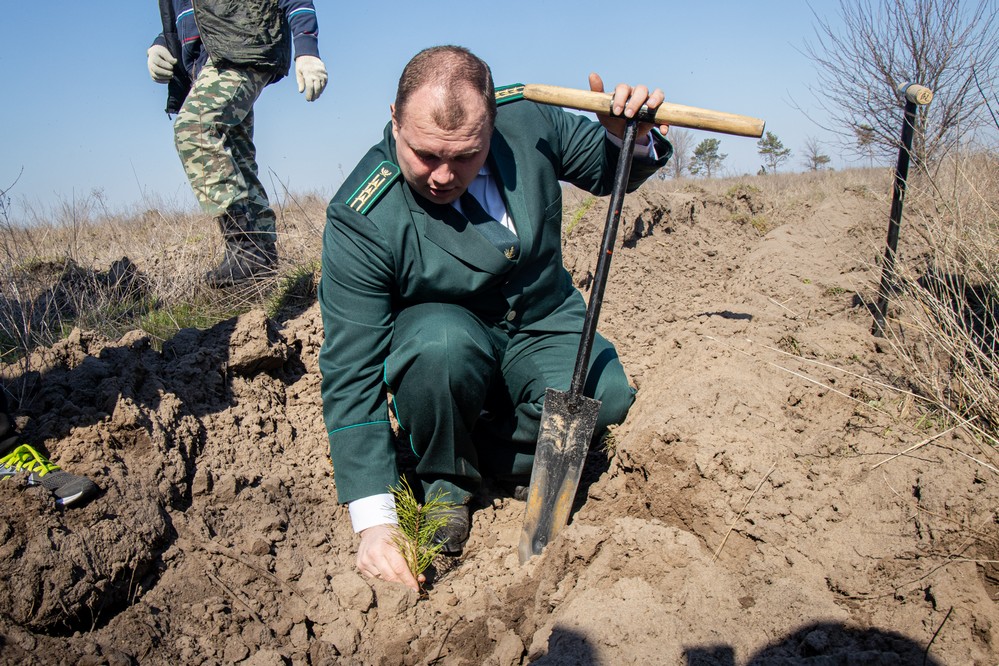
x: 787, y: 489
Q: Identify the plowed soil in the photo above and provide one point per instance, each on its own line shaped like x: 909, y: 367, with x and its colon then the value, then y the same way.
x: 753, y: 508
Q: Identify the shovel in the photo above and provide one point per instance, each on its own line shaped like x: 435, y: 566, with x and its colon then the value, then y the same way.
x: 569, y: 418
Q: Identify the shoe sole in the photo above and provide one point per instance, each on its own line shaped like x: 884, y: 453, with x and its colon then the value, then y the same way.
x: 68, y: 488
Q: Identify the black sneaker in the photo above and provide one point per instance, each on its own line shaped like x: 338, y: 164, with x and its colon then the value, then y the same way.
x: 454, y: 534
x: 69, y: 489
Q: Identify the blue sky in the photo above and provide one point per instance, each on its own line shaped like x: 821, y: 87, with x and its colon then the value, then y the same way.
x: 80, y: 114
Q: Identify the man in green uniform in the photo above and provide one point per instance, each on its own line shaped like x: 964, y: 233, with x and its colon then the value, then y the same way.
x: 443, y: 286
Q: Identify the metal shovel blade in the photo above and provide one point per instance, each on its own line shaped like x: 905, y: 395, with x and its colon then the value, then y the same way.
x: 567, y: 424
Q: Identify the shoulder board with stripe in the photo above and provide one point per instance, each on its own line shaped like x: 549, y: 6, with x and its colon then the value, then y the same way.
x: 510, y: 93
x: 374, y: 186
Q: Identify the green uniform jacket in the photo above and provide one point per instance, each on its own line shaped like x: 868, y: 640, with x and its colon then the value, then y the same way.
x: 404, y: 250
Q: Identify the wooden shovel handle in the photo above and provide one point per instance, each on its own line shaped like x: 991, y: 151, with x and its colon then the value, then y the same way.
x: 666, y: 114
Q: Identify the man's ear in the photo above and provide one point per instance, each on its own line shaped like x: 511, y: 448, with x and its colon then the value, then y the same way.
x: 395, y: 122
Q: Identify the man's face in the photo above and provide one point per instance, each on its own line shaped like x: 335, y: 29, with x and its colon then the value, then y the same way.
x: 440, y: 164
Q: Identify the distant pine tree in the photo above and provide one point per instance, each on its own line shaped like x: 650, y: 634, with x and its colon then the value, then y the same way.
x: 773, y: 151
x: 814, y: 158
x: 706, y: 160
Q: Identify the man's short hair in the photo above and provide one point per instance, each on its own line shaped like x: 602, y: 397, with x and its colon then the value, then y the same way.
x: 456, y: 71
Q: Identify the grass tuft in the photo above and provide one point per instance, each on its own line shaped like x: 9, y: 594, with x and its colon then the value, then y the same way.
x: 295, y: 291
x: 162, y: 323
x: 579, y: 213
x: 944, y: 312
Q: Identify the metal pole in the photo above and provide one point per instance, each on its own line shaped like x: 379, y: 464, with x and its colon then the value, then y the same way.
x: 621, y: 176
x: 914, y: 95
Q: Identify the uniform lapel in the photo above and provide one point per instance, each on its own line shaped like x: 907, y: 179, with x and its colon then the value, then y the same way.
x: 504, y: 166
x: 448, y: 229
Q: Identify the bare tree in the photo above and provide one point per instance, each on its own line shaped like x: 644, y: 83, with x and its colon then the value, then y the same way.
x: 865, y: 142
x: 679, y: 164
x: 881, y: 44
x: 814, y: 158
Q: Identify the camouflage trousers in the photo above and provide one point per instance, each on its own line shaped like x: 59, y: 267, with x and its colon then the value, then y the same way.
x: 213, y: 133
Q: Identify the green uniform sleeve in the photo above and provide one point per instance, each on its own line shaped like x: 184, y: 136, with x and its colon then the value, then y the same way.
x: 355, y: 298
x: 588, y: 159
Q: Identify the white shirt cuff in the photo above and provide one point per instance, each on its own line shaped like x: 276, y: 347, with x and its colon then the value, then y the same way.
x: 374, y: 510
x: 649, y: 148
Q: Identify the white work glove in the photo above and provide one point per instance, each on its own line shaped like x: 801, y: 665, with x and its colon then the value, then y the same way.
x: 311, y: 74
x: 160, y: 63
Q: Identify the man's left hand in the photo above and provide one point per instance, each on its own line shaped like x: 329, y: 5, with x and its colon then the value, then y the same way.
x: 311, y: 74
x: 628, y: 100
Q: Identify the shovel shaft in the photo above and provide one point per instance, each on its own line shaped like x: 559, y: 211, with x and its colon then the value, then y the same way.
x: 666, y: 114
x: 621, y: 176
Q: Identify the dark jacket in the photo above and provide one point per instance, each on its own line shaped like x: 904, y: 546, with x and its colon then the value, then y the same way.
x: 386, y: 248
x: 254, y: 34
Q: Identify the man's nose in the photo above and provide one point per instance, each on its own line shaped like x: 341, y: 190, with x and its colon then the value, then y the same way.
x: 442, y: 174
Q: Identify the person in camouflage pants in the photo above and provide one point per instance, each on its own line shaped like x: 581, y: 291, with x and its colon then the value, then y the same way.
x: 217, y: 57
x: 221, y: 163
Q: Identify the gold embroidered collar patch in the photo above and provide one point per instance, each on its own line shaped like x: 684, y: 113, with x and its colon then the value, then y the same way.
x: 374, y: 186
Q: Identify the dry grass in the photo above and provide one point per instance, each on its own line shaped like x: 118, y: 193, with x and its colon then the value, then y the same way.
x: 945, y: 313
x: 83, y: 265
x: 785, y: 192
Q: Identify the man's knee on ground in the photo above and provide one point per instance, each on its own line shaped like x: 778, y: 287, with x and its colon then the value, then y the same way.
x: 614, y: 406
x: 442, y: 347
x: 614, y: 393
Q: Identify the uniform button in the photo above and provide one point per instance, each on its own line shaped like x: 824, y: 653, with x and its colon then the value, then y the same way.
x: 511, y: 315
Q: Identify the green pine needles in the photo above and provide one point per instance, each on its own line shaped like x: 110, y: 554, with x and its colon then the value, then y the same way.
x: 418, y: 523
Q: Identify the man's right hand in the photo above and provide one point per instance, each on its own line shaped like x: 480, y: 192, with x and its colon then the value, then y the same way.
x: 160, y: 63
x: 379, y: 557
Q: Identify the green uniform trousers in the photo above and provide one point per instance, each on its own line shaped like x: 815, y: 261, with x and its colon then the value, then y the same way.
x: 469, y: 394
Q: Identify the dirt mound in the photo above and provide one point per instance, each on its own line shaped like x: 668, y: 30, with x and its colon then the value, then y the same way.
x: 749, y: 511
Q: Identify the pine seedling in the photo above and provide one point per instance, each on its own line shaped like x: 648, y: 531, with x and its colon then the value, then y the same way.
x: 418, y: 523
